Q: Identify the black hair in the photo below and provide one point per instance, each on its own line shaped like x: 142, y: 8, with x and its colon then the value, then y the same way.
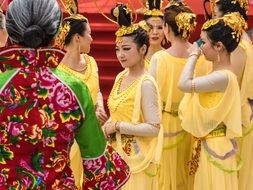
x: 227, y: 6
x: 77, y: 26
x: 33, y: 23
x: 153, y: 4
x: 139, y: 36
x: 223, y: 33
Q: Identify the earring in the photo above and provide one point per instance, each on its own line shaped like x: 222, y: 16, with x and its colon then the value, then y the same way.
x: 164, y: 42
x: 218, y: 57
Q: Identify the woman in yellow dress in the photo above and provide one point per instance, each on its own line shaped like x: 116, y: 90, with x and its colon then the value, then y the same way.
x: 153, y: 16
x: 211, y: 105
x: 134, y: 125
x: 84, y: 68
x: 166, y: 67
x: 242, y: 59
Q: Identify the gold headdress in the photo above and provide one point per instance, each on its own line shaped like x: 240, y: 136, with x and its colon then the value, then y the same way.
x: 155, y: 9
x: 71, y: 7
x: 174, y: 3
x: 232, y: 20
x: 123, y: 30
x: 244, y: 4
x: 213, y: 5
x: 186, y: 23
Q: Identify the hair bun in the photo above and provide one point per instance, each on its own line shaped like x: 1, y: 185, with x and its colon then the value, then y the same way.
x: 34, y: 35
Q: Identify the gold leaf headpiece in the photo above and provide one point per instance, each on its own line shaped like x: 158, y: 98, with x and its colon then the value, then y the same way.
x: 186, y: 23
x: 153, y: 12
x: 212, y: 6
x: 143, y: 24
x: 244, y: 4
x: 63, y: 32
x: 71, y: 8
x: 124, y: 30
x: 174, y: 3
x: 232, y: 20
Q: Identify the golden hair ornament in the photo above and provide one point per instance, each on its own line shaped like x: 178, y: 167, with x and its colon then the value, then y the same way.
x: 243, y: 4
x: 174, y: 3
x: 63, y: 32
x: 232, y: 20
x: 236, y: 22
x: 186, y: 23
x: 124, y: 30
x: 153, y: 12
x: 143, y: 24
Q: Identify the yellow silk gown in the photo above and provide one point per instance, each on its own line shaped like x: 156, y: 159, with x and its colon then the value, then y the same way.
x: 90, y: 78
x: 147, y: 63
x: 201, y: 114
x: 177, y: 143
x: 142, y: 154
x: 246, y: 142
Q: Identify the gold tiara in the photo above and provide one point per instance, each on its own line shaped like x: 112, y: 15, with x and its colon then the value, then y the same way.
x: 186, y: 23
x: 153, y: 12
x: 124, y: 30
x: 232, y: 20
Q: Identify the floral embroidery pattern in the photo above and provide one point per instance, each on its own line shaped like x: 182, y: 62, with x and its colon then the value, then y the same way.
x: 38, y: 119
x: 105, y: 172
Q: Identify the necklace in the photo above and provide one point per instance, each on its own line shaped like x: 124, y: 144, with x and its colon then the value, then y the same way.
x: 117, y: 97
x: 83, y: 76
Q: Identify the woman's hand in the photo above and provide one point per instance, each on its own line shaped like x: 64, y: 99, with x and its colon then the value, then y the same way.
x: 109, y: 128
x: 101, y: 115
x: 194, y: 50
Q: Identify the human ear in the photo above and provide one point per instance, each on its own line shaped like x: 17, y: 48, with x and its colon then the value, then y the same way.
x: 219, y: 46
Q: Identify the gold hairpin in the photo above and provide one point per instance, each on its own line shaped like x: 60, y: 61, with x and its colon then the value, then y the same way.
x: 186, y: 23
x: 232, y: 20
x: 60, y: 39
x: 124, y: 30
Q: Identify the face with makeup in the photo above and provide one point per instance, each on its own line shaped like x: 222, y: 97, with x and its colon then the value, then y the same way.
x: 128, y: 52
x: 156, y: 34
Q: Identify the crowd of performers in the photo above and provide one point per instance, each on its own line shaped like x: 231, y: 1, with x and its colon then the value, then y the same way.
x: 179, y: 118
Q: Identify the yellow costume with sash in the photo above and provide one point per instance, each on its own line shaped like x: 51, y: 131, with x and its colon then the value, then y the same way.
x: 246, y: 142
x: 212, y: 118
x: 142, y: 154
x: 176, y: 148
x: 90, y: 78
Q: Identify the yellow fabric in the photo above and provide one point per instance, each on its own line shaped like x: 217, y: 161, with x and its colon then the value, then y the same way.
x: 205, y: 111
x: 247, y: 82
x: 90, y: 78
x: 76, y: 164
x: 147, y: 63
x: 211, y: 177
x: 144, y: 155
x: 246, y: 143
x: 176, y: 151
x: 202, y: 113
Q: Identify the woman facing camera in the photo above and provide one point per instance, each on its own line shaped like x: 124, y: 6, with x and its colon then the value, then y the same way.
x: 134, y: 125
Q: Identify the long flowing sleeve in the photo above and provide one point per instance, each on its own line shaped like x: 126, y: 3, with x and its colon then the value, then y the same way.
x: 151, y: 114
x: 215, y: 81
